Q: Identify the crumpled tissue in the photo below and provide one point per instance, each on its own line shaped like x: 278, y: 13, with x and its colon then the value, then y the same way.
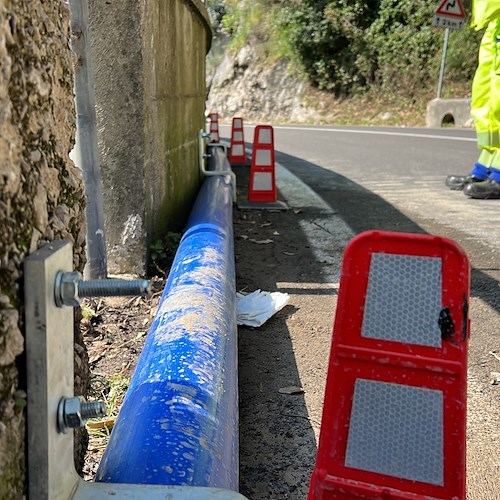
x: 257, y: 307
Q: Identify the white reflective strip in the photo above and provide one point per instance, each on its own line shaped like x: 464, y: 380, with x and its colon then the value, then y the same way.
x: 263, y: 158
x: 262, y: 181
x: 238, y: 123
x: 238, y: 136
x: 214, y: 127
x: 214, y: 116
x: 265, y: 136
x: 397, y: 430
x: 214, y: 137
x: 237, y: 150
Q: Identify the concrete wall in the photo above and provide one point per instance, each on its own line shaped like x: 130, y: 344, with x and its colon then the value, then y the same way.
x: 41, y: 191
x: 149, y: 62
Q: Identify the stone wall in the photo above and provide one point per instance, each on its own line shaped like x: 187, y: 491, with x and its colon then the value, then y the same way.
x: 150, y: 98
x: 41, y: 192
x: 149, y: 63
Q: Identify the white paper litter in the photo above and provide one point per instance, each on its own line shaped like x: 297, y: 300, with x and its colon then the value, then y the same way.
x: 257, y: 307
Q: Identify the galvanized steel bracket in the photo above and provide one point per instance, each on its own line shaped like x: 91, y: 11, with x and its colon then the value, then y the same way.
x: 49, y: 358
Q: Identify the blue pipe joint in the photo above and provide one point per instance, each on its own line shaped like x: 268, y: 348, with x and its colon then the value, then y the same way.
x: 179, y: 421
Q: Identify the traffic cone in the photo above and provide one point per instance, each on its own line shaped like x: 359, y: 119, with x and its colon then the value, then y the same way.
x: 262, y: 173
x: 262, y: 192
x: 394, y: 410
x: 214, y: 127
x: 237, y: 155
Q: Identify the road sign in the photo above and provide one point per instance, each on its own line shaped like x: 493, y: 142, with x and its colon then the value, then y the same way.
x: 449, y: 14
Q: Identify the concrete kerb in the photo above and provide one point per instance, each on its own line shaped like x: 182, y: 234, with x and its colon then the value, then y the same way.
x: 442, y: 112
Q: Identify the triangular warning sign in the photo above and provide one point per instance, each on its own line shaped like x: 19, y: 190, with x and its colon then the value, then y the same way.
x: 452, y: 8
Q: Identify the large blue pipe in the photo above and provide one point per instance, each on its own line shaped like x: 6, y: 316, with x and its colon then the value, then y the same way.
x: 179, y: 421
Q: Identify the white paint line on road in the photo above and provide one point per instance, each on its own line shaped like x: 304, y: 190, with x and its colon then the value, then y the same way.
x: 326, y: 232
x: 372, y: 132
x: 380, y: 132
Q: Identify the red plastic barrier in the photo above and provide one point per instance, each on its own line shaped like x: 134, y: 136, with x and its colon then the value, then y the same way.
x: 394, y: 413
x: 214, y: 127
x: 237, y: 155
x: 262, y: 186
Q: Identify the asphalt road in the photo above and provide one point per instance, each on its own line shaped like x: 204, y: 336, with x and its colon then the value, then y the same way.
x: 393, y: 179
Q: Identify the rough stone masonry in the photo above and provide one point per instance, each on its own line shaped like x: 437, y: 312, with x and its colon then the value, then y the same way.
x: 41, y: 192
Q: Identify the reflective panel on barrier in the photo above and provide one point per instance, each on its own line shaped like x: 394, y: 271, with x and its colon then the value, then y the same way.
x: 262, y: 186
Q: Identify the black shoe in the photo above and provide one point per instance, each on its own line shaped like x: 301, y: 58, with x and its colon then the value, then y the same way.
x: 457, y: 182
x: 485, y: 190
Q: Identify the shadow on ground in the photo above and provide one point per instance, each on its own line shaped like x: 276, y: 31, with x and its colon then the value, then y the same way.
x: 363, y: 210
x: 278, y: 432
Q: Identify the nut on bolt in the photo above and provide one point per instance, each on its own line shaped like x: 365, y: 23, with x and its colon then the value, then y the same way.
x: 72, y: 413
x: 66, y: 288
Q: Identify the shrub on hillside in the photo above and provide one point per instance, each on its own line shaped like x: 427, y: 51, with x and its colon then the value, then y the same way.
x: 346, y: 46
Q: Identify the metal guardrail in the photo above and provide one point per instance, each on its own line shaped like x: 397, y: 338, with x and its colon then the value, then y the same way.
x: 179, y: 421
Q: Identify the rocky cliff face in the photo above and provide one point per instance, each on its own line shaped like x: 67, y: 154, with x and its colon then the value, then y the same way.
x: 245, y: 85
x: 41, y: 193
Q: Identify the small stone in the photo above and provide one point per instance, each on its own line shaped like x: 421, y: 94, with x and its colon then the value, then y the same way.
x: 36, y: 156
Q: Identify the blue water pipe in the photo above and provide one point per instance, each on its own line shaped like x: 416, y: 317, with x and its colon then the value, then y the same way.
x: 179, y: 421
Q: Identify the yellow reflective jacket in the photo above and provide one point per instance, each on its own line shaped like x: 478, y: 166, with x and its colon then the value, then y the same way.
x: 486, y: 89
x: 483, y: 12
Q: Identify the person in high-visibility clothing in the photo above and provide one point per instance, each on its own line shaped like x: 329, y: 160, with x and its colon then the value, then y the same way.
x: 484, y: 180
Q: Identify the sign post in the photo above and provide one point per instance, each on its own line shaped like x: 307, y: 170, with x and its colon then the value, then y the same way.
x: 450, y: 15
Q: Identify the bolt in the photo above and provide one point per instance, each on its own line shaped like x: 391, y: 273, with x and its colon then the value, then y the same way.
x: 93, y: 409
x: 74, y: 412
x: 113, y: 288
x: 70, y: 288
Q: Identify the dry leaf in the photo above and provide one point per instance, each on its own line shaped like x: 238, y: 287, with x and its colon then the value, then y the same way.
x: 95, y: 357
x: 102, y: 425
x: 292, y: 389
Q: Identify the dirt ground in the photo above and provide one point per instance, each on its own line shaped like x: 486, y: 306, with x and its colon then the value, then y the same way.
x: 279, y: 428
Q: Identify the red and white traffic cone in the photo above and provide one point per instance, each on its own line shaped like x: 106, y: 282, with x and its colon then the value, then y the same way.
x: 214, y: 128
x: 237, y: 155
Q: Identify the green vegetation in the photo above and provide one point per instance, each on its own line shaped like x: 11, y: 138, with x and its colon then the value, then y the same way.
x: 162, y: 253
x: 112, y: 392
x: 350, y: 46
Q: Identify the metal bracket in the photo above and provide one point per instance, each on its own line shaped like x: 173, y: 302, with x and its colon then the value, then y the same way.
x: 210, y: 173
x: 49, y: 357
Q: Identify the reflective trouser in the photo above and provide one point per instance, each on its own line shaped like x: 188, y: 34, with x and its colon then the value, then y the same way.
x: 486, y: 97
